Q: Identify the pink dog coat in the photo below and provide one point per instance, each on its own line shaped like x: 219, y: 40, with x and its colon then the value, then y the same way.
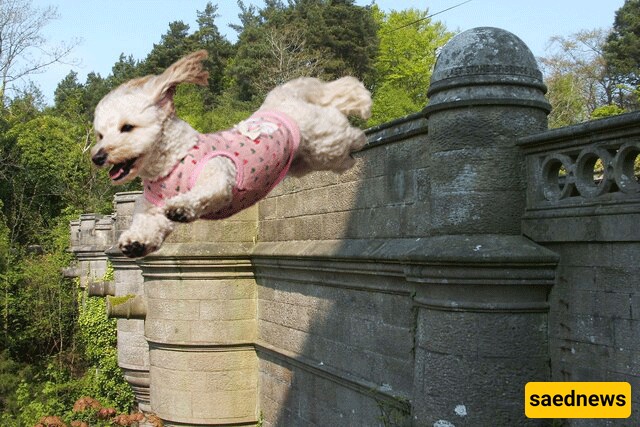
x: 262, y: 149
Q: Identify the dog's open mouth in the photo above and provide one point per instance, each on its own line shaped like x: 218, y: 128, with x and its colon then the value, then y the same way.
x: 120, y: 170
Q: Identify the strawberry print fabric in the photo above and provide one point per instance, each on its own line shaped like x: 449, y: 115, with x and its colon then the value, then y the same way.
x: 262, y: 149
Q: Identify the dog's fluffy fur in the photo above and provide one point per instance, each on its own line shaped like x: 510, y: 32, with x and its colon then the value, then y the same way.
x: 139, y: 134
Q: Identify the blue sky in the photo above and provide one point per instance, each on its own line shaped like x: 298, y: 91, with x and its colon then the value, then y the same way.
x: 107, y: 28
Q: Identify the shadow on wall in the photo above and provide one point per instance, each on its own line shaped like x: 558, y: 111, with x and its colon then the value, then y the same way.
x: 335, y: 324
x: 402, y: 292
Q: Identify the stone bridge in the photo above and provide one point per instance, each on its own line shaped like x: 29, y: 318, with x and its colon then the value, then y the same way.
x: 468, y: 252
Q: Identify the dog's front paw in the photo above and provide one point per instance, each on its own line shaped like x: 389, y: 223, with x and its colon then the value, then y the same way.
x: 133, y: 248
x: 176, y: 210
x: 180, y: 214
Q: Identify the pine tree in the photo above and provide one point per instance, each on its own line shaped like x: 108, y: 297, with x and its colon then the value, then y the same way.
x: 622, y: 50
x: 220, y: 50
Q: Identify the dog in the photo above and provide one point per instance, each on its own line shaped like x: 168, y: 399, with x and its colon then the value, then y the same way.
x: 302, y: 126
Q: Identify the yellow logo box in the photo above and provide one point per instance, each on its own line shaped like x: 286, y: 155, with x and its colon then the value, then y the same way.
x: 577, y: 400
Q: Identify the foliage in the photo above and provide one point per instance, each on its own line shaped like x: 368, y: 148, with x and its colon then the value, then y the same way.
x: 622, y: 49
x: 606, y: 111
x: 97, y: 336
x: 595, y: 73
x: 313, y: 38
x: 407, y: 54
x: 89, y: 412
x: 568, y: 106
x: 578, y: 77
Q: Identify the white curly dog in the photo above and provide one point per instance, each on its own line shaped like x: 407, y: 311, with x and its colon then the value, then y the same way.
x: 302, y: 126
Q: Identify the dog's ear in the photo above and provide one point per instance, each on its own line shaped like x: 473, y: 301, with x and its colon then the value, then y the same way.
x: 186, y: 70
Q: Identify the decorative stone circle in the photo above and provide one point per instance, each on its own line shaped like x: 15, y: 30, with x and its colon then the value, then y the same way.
x: 594, y: 171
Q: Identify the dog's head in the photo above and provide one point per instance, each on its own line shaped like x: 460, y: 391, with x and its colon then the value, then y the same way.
x: 130, y: 120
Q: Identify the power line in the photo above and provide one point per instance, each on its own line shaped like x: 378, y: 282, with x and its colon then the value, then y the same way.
x: 428, y: 16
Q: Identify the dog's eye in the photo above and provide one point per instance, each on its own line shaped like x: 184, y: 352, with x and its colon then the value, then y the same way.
x: 99, y: 136
x: 127, y: 127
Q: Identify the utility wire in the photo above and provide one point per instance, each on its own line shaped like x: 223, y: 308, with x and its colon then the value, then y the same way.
x: 427, y: 17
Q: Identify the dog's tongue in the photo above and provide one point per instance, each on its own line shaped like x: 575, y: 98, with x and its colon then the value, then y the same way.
x: 117, y: 171
x: 120, y: 170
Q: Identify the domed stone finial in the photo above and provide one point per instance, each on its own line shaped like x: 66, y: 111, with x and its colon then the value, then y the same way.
x: 486, y: 65
x: 486, y: 92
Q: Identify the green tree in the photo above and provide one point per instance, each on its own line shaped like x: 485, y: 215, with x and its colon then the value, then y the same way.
x: 578, y: 77
x: 174, y: 44
x: 126, y: 68
x: 96, y: 87
x: 403, y: 66
x: 245, y: 69
x: 220, y: 50
x: 50, y: 181
x: 347, y: 33
x: 606, y: 111
x: 69, y: 98
x: 622, y: 48
x: 327, y: 39
x: 564, y: 93
x: 97, y: 336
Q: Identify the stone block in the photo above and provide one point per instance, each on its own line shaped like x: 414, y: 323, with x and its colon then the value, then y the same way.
x: 236, y: 406
x: 206, y: 359
x: 617, y: 279
x: 275, y: 371
x: 167, y: 331
x: 495, y: 212
x: 483, y: 335
x: 490, y: 390
x: 220, y: 290
x: 627, y: 335
x: 287, y: 339
x: 223, y: 332
x: 239, y: 309
x: 474, y: 169
x: 580, y: 277
x: 585, y: 328
x: 172, y: 309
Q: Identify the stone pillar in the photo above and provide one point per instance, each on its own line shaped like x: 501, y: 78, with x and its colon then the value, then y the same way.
x: 133, y: 350
x: 200, y: 297
x: 481, y: 287
x: 73, y: 270
x: 90, y: 237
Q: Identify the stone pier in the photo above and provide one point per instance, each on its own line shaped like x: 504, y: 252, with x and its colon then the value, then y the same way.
x: 200, y: 295
x: 133, y: 349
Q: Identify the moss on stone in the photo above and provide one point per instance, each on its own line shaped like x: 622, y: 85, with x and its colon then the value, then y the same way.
x: 115, y: 301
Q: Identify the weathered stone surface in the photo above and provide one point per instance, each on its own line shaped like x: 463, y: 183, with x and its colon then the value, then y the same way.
x: 133, y: 350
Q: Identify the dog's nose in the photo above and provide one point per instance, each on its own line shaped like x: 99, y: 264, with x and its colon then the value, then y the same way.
x: 99, y: 158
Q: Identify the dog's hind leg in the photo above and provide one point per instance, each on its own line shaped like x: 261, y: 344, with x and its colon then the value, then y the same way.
x: 347, y: 94
x: 328, y: 139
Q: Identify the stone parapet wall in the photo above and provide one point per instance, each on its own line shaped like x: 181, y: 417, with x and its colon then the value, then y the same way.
x: 339, y: 319
x: 583, y: 203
